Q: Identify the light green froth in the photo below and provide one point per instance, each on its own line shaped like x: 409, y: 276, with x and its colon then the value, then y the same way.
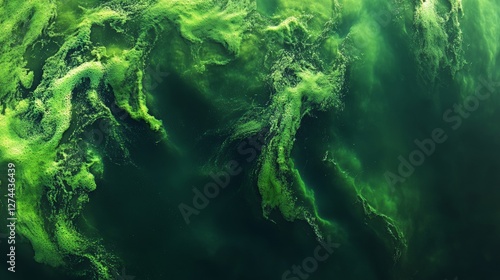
x: 22, y: 23
x: 438, y: 37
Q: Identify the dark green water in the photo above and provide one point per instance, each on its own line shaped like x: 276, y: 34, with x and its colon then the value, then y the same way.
x: 135, y: 108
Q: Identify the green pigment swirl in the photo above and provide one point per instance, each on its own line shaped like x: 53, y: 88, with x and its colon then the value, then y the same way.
x: 59, y: 80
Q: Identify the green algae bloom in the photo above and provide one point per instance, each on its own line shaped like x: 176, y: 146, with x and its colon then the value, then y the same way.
x: 76, y: 94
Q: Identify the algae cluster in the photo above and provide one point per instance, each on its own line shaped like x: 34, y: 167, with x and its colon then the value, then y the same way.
x: 67, y: 67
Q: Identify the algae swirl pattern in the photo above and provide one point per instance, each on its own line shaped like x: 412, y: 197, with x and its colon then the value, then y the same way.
x: 65, y: 66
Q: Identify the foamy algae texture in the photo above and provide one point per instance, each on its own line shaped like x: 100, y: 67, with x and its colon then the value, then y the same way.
x: 276, y: 64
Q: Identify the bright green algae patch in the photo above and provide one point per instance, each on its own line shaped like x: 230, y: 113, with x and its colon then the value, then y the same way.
x: 438, y: 36
x: 297, y: 55
x: 55, y: 175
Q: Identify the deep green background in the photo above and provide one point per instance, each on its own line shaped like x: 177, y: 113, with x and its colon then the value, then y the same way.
x: 454, y: 218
